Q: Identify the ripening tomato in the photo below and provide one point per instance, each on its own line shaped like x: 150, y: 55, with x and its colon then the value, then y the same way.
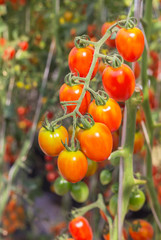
x: 80, y: 229
x: 138, y: 142
x: 96, y: 142
x: 23, y: 45
x: 72, y: 93
x: 92, y: 168
x: 140, y: 116
x: 49, y: 167
x: 2, y: 42
x: 68, y: 15
x: 9, y: 53
x: 101, y: 67
x: 110, y: 42
x: 115, y: 136
x: 130, y: 43
x: 109, y: 114
x: 119, y: 82
x: 80, y: 60
x: 50, y: 142
x: 137, y: 200
x: 72, y: 165
x: 51, y: 176
x: 2, y: 2
x: 137, y: 70
x: 141, y: 230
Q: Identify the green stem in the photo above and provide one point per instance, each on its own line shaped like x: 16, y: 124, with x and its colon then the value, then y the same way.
x: 147, y: 111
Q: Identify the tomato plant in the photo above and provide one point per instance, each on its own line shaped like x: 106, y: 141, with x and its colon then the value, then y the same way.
x: 138, y: 142
x: 80, y: 60
x: 93, y: 142
x: 141, y: 230
x: 109, y: 113
x: 79, y: 192
x: 137, y: 200
x: 71, y: 93
x: 119, y: 83
x: 80, y: 229
x: 92, y: 168
x: 130, y: 43
x: 113, y: 204
x: 72, y: 165
x: 50, y: 141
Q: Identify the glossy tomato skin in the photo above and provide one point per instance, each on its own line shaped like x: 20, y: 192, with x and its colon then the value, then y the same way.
x: 137, y: 200
x: 137, y: 70
x: 110, y: 42
x: 96, y: 142
x: 80, y: 229
x: 80, y: 60
x: 130, y: 43
x: 144, y: 232
x: 109, y: 114
x: 71, y: 93
x: 79, y: 192
x: 50, y: 142
x: 72, y: 165
x: 119, y: 83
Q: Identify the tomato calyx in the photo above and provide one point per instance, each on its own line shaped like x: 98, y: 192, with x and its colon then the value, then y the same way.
x: 101, y: 98
x: 128, y: 23
x: 136, y: 226
x: 86, y: 122
x: 74, y: 148
x: 50, y: 126
x: 72, y: 80
x: 114, y: 61
x: 82, y: 41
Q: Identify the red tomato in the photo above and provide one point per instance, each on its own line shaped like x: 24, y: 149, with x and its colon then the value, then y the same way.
x: 96, y: 142
x: 137, y: 70
x: 49, y: 167
x: 101, y: 67
x: 50, y: 142
x: 152, y: 99
x: 119, y: 82
x: 109, y: 114
x: 71, y: 93
x: 51, y: 176
x: 110, y: 42
x: 80, y: 229
x: 9, y: 53
x: 140, y: 116
x: 138, y: 142
x: 144, y: 232
x: 23, y: 45
x: 48, y: 158
x: 2, y: 2
x: 130, y: 43
x: 91, y: 30
x: 72, y: 165
x: 2, y: 42
x: 80, y: 60
x: 115, y: 136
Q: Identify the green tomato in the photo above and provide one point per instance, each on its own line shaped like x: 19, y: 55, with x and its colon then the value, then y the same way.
x: 113, y: 204
x: 105, y: 177
x: 137, y: 200
x: 92, y: 167
x: 115, y: 188
x: 79, y: 192
x: 61, y: 186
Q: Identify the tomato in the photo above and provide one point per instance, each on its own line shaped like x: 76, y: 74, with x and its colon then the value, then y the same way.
x: 92, y: 168
x: 137, y: 70
x: 61, y: 186
x: 101, y: 67
x: 9, y: 53
x: 80, y: 60
x: 138, y: 142
x: 23, y: 45
x: 72, y: 165
x: 105, y: 177
x: 152, y: 99
x: 115, y: 136
x: 2, y: 2
x: 113, y: 204
x: 48, y: 158
x: 141, y: 230
x: 109, y: 114
x: 154, y: 63
x: 51, y: 176
x: 80, y: 229
x: 79, y: 192
x: 91, y: 30
x: 49, y: 167
x: 96, y: 142
x: 140, y: 116
x: 50, y: 142
x: 68, y: 15
x: 137, y: 200
x: 130, y: 43
x: 119, y: 82
x: 110, y: 42
x: 71, y: 93
x: 2, y: 42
